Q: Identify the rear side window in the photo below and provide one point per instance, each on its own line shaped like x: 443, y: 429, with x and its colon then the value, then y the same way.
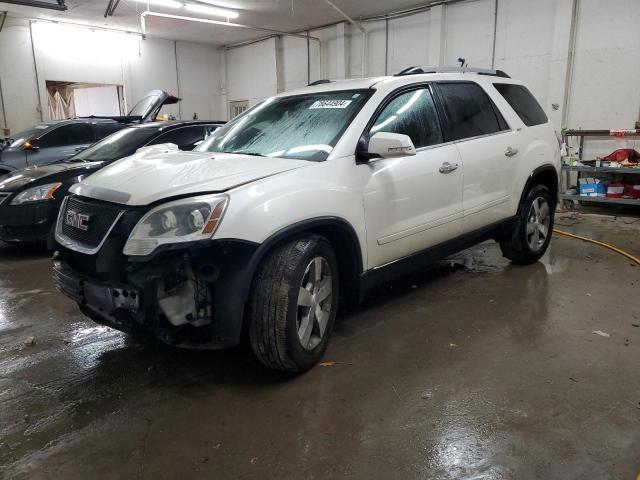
x: 72, y: 134
x: 523, y: 102
x: 469, y: 111
x: 411, y: 113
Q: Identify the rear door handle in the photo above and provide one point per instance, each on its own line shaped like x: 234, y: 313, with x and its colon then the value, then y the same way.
x: 511, y: 152
x: 447, y: 167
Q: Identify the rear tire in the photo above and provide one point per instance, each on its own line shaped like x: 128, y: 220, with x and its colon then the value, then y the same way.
x: 534, y: 227
x: 293, y: 304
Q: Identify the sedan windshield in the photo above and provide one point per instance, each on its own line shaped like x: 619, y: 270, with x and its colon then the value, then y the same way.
x: 117, y: 145
x: 305, y: 127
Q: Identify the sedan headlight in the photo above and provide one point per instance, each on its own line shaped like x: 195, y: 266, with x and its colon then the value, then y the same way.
x: 36, y: 194
x: 186, y: 220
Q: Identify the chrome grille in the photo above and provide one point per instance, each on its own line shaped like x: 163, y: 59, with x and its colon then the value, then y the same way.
x: 87, y: 235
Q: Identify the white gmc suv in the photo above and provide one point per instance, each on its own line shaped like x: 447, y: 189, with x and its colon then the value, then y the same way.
x: 304, y: 202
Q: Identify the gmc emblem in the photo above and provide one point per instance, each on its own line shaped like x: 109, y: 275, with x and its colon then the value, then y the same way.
x: 77, y: 220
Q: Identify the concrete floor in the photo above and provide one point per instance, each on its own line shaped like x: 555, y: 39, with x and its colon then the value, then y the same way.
x: 476, y: 369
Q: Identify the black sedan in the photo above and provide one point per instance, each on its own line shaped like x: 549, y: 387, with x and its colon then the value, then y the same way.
x: 30, y: 198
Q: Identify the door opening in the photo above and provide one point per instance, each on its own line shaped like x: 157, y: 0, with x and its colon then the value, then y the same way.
x: 74, y: 99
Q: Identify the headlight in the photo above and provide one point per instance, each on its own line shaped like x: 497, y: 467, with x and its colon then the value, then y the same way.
x: 185, y: 220
x: 36, y: 194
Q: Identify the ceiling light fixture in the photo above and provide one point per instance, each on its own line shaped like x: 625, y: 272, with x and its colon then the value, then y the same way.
x: 220, y: 12
x: 164, y: 3
x: 149, y: 13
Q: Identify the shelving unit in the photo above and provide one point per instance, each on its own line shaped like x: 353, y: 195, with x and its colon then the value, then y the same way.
x: 582, y: 134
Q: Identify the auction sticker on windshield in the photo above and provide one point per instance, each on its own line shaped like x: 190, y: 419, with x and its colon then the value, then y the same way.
x: 330, y: 104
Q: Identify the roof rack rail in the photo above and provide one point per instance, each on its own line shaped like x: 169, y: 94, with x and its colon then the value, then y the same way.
x: 447, y: 69
x: 320, y: 82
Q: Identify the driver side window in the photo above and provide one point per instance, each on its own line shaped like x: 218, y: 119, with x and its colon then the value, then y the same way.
x: 411, y: 113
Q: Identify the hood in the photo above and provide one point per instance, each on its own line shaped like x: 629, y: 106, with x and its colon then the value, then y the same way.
x: 55, y: 172
x: 161, y: 172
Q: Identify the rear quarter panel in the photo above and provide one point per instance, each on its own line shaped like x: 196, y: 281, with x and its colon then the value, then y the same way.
x: 538, y: 145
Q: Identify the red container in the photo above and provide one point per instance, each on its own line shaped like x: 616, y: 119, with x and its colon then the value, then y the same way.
x: 632, y: 191
x: 615, y: 190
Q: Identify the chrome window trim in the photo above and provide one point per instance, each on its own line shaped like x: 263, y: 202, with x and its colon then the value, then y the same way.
x: 72, y: 244
x: 453, y: 142
x: 483, y: 136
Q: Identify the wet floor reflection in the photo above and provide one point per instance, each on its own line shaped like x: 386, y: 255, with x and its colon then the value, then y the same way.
x: 471, y: 369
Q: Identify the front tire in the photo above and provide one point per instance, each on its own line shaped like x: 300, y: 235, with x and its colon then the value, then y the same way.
x: 293, y: 304
x: 534, y: 227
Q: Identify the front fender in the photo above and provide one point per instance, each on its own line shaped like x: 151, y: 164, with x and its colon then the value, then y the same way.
x: 258, y: 211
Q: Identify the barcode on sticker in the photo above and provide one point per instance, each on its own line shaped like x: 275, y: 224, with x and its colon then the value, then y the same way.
x: 330, y: 104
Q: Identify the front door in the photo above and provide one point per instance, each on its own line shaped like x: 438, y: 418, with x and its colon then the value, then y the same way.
x: 413, y: 202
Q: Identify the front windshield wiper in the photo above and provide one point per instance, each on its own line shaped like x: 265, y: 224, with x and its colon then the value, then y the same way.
x: 254, y: 154
x: 74, y: 160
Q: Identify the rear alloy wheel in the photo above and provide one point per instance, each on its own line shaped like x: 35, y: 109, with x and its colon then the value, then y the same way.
x: 533, y: 228
x: 293, y: 304
x: 538, y: 224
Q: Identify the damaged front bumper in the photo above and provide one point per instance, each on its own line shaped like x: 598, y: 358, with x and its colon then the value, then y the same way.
x: 193, y: 298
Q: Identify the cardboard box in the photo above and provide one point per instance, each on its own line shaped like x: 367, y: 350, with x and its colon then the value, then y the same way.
x: 592, y: 187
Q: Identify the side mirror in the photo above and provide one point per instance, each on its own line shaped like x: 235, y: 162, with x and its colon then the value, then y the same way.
x: 389, y: 145
x: 31, y: 145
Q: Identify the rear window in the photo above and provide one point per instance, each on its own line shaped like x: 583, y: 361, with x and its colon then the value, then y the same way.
x: 469, y: 111
x: 523, y: 102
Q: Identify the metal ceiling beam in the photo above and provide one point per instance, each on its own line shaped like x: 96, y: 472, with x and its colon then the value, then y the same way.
x: 113, y: 8
x: 108, y: 9
x: 347, y: 17
x: 59, y: 5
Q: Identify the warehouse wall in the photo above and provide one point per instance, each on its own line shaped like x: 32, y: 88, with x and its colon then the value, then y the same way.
x: 17, y: 77
x: 193, y: 71
x: 251, y: 72
x: 532, y: 42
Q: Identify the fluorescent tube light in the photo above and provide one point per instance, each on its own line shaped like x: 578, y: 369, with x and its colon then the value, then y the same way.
x: 164, y: 3
x: 220, y: 12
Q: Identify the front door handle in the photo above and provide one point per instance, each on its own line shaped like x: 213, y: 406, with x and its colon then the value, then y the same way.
x: 447, y: 167
x: 510, y: 152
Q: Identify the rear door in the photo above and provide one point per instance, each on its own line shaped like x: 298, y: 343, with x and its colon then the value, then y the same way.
x: 411, y: 203
x: 488, y: 149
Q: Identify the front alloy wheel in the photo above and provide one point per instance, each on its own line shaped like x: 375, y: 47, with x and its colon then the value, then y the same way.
x: 314, y: 303
x: 293, y: 303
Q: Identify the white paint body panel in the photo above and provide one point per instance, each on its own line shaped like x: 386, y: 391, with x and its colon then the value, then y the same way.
x: 147, y: 178
x: 396, y: 206
x: 409, y: 205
